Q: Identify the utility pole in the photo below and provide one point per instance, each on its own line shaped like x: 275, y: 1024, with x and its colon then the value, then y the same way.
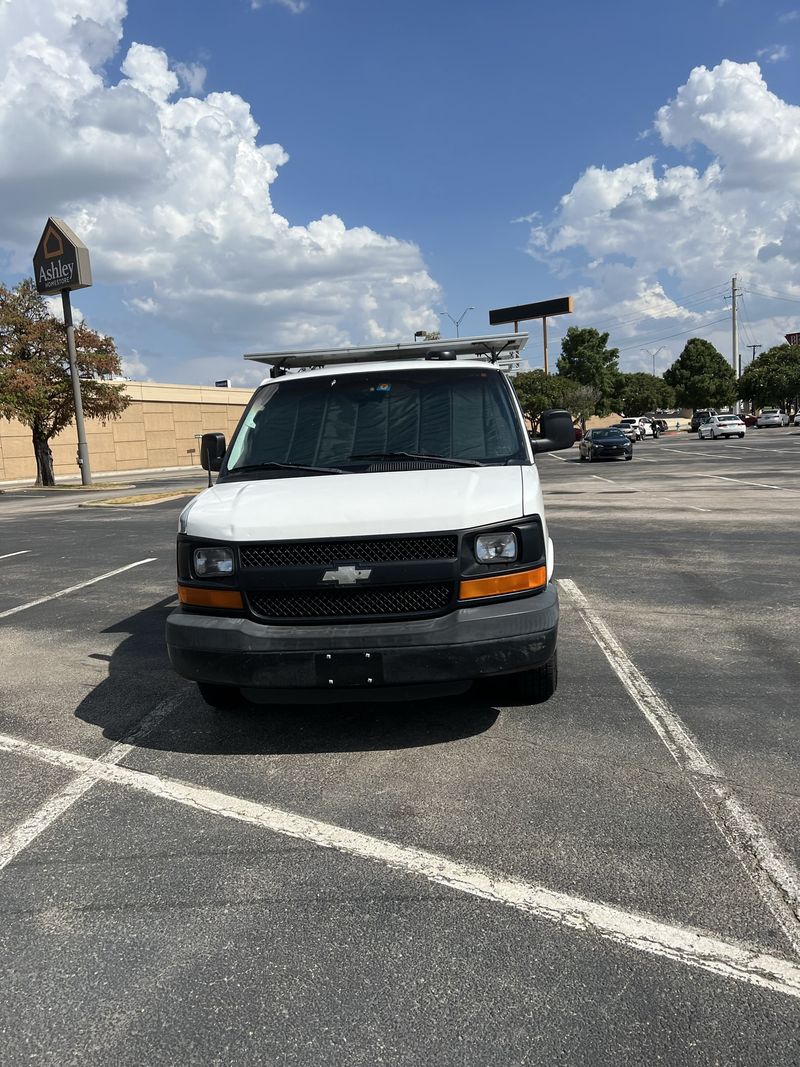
x: 735, y: 357
x: 754, y: 347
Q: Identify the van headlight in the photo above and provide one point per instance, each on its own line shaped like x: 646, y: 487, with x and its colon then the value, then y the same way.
x: 213, y: 562
x: 496, y: 547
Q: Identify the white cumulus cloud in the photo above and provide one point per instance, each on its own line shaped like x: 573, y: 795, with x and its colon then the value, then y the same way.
x: 171, y: 193
x: 646, y: 241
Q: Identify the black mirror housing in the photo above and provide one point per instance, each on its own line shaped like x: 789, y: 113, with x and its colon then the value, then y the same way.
x: 212, y: 451
x: 555, y: 431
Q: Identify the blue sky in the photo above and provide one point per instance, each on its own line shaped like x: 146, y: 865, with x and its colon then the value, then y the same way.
x: 254, y: 177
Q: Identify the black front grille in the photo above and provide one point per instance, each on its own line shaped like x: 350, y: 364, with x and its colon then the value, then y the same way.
x: 388, y: 601
x: 360, y: 550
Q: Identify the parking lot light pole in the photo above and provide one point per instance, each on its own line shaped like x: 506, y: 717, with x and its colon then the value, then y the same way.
x: 457, y: 322
x: 653, y: 355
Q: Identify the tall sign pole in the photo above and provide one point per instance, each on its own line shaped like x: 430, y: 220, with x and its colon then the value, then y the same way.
x: 61, y: 264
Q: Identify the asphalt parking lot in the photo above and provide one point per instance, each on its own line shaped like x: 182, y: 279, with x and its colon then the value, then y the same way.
x: 610, y: 877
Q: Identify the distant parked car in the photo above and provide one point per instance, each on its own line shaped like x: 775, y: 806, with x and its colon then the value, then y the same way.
x: 749, y: 420
x: 721, y: 426
x: 661, y: 424
x: 797, y: 418
x: 608, y: 443
x: 637, y: 425
x: 578, y: 433
x: 772, y: 417
x: 699, y: 416
x: 628, y: 427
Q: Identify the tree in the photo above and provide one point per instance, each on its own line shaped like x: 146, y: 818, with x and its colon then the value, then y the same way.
x: 35, y: 382
x: 701, y: 377
x: 772, y: 378
x: 538, y: 391
x: 639, y: 393
x: 585, y: 359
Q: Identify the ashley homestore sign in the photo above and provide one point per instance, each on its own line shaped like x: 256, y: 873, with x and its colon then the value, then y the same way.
x: 61, y: 260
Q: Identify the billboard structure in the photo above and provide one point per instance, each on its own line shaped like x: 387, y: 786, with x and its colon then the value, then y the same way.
x: 542, y: 309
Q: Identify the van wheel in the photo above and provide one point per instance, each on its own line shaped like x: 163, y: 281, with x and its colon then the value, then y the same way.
x: 221, y: 697
x: 741, y: 435
x: 528, y: 687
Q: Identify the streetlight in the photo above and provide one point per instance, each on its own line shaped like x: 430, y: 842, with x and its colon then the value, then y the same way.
x: 457, y: 322
x: 653, y: 355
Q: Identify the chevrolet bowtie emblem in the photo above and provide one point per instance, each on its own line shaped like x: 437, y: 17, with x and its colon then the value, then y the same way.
x: 346, y: 575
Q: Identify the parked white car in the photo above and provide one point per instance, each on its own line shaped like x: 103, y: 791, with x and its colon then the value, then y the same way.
x: 642, y: 427
x: 722, y: 426
x: 772, y: 417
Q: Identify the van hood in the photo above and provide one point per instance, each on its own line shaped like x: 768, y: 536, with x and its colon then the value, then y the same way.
x: 356, y: 505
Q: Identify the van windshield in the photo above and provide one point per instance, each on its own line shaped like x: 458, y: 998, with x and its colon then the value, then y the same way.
x: 358, y: 421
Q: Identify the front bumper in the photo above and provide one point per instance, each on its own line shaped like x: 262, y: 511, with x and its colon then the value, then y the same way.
x: 470, y: 643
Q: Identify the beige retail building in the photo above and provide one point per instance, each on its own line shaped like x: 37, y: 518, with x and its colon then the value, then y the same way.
x: 158, y: 430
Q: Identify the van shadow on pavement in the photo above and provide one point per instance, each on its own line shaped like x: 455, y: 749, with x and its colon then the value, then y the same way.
x: 140, y: 677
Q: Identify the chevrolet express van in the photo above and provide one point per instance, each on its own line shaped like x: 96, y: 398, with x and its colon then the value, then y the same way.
x: 376, y: 531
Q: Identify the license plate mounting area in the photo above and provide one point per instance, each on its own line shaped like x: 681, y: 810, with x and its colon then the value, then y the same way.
x: 342, y: 670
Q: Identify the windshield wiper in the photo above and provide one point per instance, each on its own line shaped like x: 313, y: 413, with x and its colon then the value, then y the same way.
x: 418, y: 455
x: 274, y: 465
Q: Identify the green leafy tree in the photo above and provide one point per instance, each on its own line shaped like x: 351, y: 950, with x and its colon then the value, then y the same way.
x: 586, y: 359
x: 535, y: 393
x: 35, y: 382
x: 581, y: 400
x: 639, y: 393
x: 772, y: 378
x: 701, y: 377
x: 538, y: 391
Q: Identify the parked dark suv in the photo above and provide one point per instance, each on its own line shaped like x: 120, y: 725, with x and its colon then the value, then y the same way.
x: 700, y: 415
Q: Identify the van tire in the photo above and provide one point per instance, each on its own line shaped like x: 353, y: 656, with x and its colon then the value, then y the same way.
x: 221, y: 697
x: 528, y: 687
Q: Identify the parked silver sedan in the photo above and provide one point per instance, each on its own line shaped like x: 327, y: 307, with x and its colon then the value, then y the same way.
x: 772, y: 417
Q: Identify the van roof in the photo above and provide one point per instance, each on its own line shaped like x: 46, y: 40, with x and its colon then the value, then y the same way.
x: 492, y: 347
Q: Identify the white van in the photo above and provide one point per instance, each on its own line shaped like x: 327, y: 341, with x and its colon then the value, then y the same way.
x: 376, y: 530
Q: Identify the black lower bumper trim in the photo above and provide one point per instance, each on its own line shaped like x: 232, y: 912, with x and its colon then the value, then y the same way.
x: 403, y: 666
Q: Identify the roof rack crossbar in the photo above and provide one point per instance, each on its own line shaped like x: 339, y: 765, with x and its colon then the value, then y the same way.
x: 491, y: 347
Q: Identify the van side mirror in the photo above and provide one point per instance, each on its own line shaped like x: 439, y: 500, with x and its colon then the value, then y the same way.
x: 555, y: 431
x: 212, y: 451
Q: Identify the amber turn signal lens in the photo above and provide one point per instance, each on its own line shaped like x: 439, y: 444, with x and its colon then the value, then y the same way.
x: 210, y: 598
x: 521, y: 582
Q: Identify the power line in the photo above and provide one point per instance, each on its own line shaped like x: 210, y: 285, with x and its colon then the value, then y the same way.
x: 746, y: 323
x: 772, y: 296
x: 617, y: 324
x: 680, y: 333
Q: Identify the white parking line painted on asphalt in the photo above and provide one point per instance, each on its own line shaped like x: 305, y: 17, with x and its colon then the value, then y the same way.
x: 74, y: 588
x: 22, y: 552
x: 681, y: 504
x: 741, y: 481
x: 726, y: 959
x: 774, y: 876
x: 753, y: 448
x: 14, y: 841
x: 698, y: 454
x: 600, y: 479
